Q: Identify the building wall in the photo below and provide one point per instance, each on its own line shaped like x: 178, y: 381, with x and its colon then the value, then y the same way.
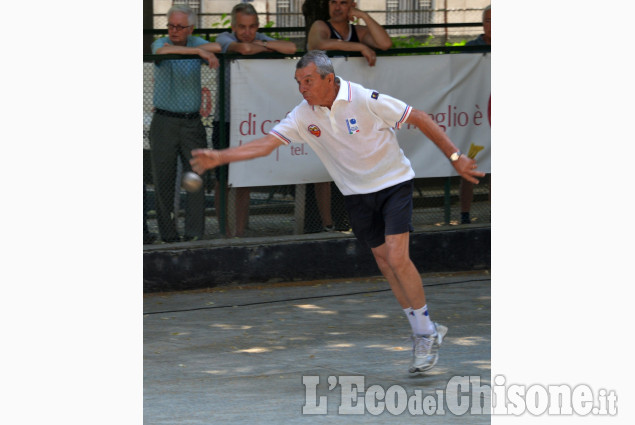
x: 460, y: 10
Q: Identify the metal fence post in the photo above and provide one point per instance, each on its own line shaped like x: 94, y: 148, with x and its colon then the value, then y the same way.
x: 446, y: 201
x: 222, y: 137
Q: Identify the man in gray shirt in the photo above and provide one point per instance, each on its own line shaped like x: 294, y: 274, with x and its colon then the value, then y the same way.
x: 244, y: 39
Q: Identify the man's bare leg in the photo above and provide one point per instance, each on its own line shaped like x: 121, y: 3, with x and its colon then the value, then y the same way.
x: 393, y: 259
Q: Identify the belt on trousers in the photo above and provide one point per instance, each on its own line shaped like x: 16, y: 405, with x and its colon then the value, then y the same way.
x: 184, y: 115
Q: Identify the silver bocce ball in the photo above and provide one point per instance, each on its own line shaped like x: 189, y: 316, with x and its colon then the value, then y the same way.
x: 191, y: 182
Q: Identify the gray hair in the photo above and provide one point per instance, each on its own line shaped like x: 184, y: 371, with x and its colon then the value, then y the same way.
x: 183, y: 8
x: 488, y: 8
x: 244, y: 8
x: 321, y: 61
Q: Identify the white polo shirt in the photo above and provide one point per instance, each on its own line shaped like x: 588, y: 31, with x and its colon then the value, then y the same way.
x: 355, y: 139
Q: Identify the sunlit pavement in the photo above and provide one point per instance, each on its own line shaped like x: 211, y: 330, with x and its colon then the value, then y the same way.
x: 243, y: 354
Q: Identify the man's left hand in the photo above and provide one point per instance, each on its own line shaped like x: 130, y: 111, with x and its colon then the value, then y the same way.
x: 354, y: 15
x: 467, y: 168
x: 210, y: 57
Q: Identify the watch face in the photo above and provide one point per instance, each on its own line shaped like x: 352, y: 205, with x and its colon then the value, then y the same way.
x: 454, y: 156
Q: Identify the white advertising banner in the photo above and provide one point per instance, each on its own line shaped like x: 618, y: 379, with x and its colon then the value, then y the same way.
x: 453, y: 89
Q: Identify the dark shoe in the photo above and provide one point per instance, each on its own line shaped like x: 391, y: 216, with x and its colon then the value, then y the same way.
x: 465, y: 218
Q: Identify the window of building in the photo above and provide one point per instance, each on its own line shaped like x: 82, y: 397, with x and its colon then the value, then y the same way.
x: 408, y: 12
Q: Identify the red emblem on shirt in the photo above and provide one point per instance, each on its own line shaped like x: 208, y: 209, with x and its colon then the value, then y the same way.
x: 315, y: 130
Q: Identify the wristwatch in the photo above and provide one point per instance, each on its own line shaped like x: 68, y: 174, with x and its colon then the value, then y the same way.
x: 264, y: 44
x: 455, y: 156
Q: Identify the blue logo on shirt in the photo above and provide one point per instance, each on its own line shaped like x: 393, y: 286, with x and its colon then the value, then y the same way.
x: 352, y: 126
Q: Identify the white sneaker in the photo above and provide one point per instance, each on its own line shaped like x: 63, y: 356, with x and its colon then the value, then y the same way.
x: 425, y: 349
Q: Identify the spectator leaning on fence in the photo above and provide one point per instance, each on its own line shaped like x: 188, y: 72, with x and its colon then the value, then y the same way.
x: 176, y: 126
x: 244, y: 39
x: 484, y: 39
x: 338, y: 33
x: 466, y: 189
x: 352, y: 131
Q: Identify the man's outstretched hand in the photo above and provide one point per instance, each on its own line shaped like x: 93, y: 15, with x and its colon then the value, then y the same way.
x: 205, y: 159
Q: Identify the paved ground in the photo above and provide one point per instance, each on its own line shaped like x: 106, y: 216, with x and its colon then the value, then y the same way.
x: 241, y: 354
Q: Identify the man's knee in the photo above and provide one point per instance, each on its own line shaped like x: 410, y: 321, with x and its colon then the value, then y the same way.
x: 380, y: 256
x: 398, y: 262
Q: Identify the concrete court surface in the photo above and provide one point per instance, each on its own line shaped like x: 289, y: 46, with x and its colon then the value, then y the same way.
x: 238, y: 354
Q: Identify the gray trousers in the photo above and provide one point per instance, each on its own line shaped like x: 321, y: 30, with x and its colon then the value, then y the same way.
x: 173, y: 139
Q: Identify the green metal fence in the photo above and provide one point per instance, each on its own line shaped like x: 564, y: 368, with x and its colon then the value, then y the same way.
x: 273, y: 210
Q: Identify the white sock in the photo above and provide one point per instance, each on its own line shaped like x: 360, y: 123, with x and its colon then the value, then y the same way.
x: 421, y: 324
x: 411, y: 317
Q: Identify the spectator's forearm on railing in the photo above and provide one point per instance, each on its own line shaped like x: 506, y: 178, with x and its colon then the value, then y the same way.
x: 205, y: 51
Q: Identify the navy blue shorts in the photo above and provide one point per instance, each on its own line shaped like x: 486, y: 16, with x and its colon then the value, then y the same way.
x: 375, y: 215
